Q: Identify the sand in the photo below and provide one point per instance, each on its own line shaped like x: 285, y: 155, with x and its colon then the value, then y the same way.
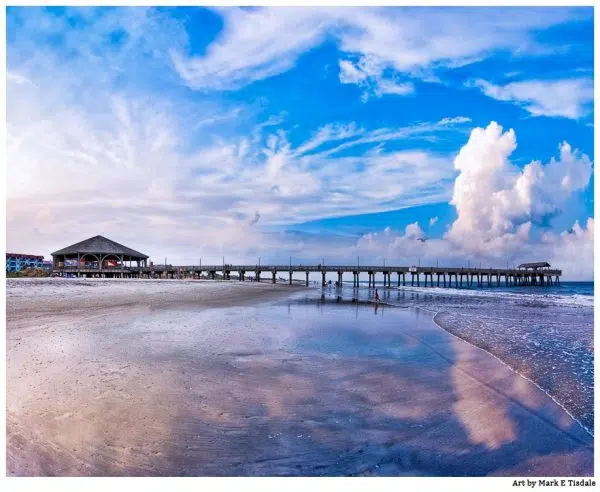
x: 147, y: 378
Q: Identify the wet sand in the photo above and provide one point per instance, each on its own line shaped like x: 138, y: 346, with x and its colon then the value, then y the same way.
x: 178, y: 378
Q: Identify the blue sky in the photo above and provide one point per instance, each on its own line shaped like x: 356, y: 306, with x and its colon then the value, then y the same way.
x: 303, y: 131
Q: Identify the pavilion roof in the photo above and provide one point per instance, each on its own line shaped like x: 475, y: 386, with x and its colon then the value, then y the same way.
x: 99, y: 244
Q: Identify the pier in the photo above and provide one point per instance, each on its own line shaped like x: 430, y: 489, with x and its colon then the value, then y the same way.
x: 392, y: 275
x: 102, y: 257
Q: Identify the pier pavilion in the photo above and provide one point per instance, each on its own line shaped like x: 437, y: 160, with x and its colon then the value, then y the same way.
x: 98, y: 256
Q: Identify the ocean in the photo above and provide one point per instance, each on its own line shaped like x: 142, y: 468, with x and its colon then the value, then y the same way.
x: 545, y: 334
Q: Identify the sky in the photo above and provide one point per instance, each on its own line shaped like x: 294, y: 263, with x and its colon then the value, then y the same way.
x: 429, y: 135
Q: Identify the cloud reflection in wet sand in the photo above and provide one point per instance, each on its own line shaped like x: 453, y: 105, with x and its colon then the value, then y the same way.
x: 280, y: 390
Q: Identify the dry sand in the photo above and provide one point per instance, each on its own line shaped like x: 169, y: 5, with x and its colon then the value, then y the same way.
x: 139, y: 378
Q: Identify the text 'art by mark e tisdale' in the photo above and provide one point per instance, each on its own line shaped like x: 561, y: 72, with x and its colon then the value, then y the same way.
x: 554, y: 482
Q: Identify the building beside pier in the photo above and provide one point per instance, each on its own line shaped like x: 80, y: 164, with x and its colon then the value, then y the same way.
x: 97, y: 256
x: 15, y: 262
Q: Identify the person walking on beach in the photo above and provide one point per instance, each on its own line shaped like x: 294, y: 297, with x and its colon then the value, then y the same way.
x: 376, y: 296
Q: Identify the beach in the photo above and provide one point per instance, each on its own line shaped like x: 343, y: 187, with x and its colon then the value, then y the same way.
x: 205, y: 378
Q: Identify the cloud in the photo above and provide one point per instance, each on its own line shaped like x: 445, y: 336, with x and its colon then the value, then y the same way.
x: 568, y: 98
x: 17, y: 78
x: 497, y: 203
x: 573, y: 250
x: 377, y: 45
x: 498, y: 206
x: 454, y: 121
x: 370, y: 78
x: 425, y: 131
x: 92, y: 149
x: 102, y: 138
x: 433, y: 221
x: 332, y: 132
x: 413, y: 231
x: 254, y: 44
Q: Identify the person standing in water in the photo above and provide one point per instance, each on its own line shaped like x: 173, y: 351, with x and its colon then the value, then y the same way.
x: 376, y: 296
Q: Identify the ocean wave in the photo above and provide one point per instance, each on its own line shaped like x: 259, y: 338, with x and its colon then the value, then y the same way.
x: 525, y: 297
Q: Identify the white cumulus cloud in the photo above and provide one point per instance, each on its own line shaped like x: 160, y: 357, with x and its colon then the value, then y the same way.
x: 496, y: 202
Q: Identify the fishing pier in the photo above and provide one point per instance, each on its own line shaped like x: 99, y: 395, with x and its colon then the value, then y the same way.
x: 398, y: 275
x: 104, y: 258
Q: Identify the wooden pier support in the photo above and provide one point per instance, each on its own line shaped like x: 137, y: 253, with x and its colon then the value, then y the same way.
x: 323, y: 279
x: 387, y: 280
x: 307, y: 279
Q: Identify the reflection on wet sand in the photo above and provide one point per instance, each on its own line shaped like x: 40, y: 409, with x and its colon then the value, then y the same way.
x: 291, y: 389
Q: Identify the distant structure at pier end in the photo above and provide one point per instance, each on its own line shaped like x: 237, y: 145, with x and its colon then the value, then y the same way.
x: 540, y: 265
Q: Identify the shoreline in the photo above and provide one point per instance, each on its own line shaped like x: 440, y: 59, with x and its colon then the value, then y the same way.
x: 434, y: 315
x: 472, y: 343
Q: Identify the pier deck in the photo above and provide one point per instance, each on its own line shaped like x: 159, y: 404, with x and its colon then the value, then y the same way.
x: 444, y: 276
